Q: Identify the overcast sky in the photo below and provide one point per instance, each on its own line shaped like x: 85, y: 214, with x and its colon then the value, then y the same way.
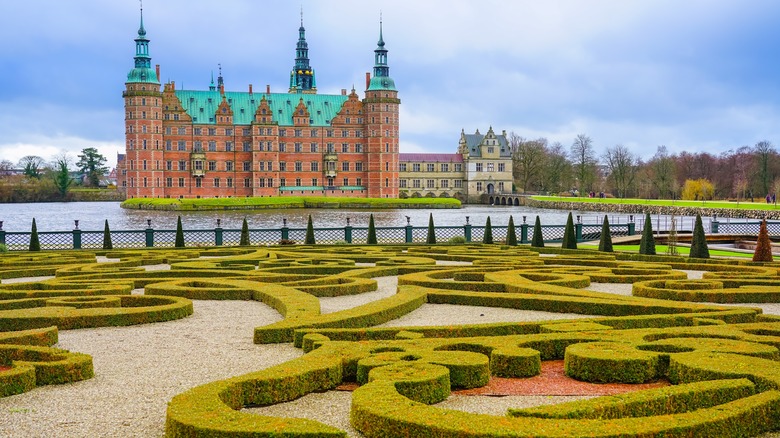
x: 692, y: 75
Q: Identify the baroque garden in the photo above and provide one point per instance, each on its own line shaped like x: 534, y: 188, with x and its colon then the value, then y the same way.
x: 675, y: 321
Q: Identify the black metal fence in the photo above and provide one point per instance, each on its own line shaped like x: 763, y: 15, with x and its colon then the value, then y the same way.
x: 150, y: 237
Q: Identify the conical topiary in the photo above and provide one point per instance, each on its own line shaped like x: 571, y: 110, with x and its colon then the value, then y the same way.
x: 431, y: 239
x: 487, y: 237
x: 35, y: 244
x: 244, y: 241
x: 537, y: 241
x: 179, y: 234
x: 511, y: 236
x: 309, y: 233
x: 763, y: 251
x: 605, y: 243
x: 647, y: 243
x: 699, y: 248
x: 107, y: 237
x: 371, y: 240
x: 569, y: 238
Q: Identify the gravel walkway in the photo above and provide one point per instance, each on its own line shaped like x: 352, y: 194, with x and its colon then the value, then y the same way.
x: 139, y: 369
x: 451, y: 314
x: 386, y: 287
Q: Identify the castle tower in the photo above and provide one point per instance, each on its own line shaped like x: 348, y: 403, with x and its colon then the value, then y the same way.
x: 143, y: 124
x: 381, y: 108
x: 302, y: 78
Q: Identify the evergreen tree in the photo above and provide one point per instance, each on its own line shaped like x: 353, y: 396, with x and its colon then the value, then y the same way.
x: 431, y: 239
x: 699, y: 248
x: 605, y: 243
x: 107, y: 237
x: 763, y: 251
x: 35, y: 244
x: 511, y: 236
x: 487, y: 237
x: 309, y: 233
x: 179, y: 234
x: 647, y: 243
x: 537, y: 241
x: 569, y: 237
x: 371, y: 240
x: 244, y: 241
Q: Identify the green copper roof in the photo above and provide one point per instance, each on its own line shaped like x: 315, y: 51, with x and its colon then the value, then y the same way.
x: 381, y: 83
x: 202, y: 106
x: 143, y: 75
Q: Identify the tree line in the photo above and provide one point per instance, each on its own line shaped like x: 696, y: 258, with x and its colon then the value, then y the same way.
x: 33, y: 179
x: 540, y: 166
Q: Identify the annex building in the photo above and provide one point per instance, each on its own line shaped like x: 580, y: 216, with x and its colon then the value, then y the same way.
x: 219, y: 143
x: 482, y: 165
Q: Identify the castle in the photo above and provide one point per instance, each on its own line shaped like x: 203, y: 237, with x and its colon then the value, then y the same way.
x: 218, y: 143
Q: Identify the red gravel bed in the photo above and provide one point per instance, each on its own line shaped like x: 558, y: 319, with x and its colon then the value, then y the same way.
x: 4, y: 368
x: 551, y: 381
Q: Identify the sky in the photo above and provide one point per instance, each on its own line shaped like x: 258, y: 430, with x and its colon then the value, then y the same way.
x: 698, y: 75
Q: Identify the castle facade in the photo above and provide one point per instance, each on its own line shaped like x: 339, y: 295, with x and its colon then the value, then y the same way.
x: 218, y: 143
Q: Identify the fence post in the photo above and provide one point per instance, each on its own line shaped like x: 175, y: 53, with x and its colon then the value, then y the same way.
x: 467, y: 232
x: 218, y: 236
x: 2, y: 234
x: 149, y: 237
x: 631, y: 228
x: 524, y: 233
x: 578, y: 231
x: 408, y: 234
x: 348, y: 233
x: 285, y: 230
x: 76, y: 239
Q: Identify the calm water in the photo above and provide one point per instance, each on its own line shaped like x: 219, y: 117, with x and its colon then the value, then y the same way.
x: 60, y: 216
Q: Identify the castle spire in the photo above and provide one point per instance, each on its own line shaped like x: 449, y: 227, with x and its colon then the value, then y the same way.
x: 381, y: 79
x: 142, y: 71
x: 302, y: 75
x: 212, y: 87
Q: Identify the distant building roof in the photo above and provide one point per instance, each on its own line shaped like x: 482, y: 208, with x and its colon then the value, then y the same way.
x: 442, y: 158
x: 474, y: 140
x: 120, y: 157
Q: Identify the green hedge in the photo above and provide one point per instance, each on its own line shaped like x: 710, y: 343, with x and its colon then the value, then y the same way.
x: 36, y: 366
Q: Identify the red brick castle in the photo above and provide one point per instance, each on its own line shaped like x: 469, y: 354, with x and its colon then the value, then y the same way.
x: 208, y: 143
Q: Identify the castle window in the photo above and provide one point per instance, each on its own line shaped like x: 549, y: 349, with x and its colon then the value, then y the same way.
x: 479, y: 167
x: 402, y: 167
x: 247, y: 146
x: 198, y: 182
x: 282, y: 132
x: 315, y: 182
x: 358, y: 181
x: 216, y: 182
x: 359, y: 167
x: 182, y: 131
x: 430, y: 167
x: 197, y: 146
x: 228, y: 131
x: 212, y: 131
x: 491, y: 149
x: 246, y: 131
x: 247, y: 182
x: 143, y: 144
x: 247, y: 166
x: 315, y: 167
x: 168, y: 182
x: 444, y: 167
x: 458, y: 183
x: 359, y: 148
x: 445, y: 183
x: 182, y: 146
x: 402, y: 183
x: 344, y: 148
x: 211, y: 119
x: 298, y: 133
x: 387, y: 166
x: 298, y: 166
x: 297, y: 182
x: 212, y: 146
x: 198, y: 165
x: 314, y: 147
x: 209, y: 100
x: 229, y: 146
x: 168, y: 145
x: 348, y: 119
x: 230, y: 182
x: 182, y: 165
x: 282, y: 147
x: 501, y: 167
x: 329, y: 133
x: 490, y: 167
x: 458, y: 167
x: 181, y: 182
x: 298, y: 147
x: 415, y: 167
x: 197, y: 131
x: 416, y: 183
x: 282, y: 166
x: 212, y: 166
x: 345, y: 166
x: 479, y: 186
x: 169, y: 165
x: 144, y: 164
x: 261, y: 166
x: 314, y: 133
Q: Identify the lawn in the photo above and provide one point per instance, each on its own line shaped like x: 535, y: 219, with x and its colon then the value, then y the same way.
x: 663, y: 202
x: 286, y: 202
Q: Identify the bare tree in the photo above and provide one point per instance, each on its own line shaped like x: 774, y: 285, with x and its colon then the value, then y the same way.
x: 6, y: 168
x: 583, y: 158
x: 528, y: 158
x: 622, y: 166
x: 33, y: 166
x: 663, y: 171
x: 557, y: 173
x: 764, y: 151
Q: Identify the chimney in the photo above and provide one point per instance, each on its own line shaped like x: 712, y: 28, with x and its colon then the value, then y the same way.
x: 222, y: 90
x: 267, y: 89
x: 368, y: 79
x: 343, y: 91
x: 250, y: 88
x: 157, y: 70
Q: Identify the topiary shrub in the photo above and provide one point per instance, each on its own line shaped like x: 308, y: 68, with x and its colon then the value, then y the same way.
x: 763, y: 252
x: 605, y: 243
x: 487, y: 237
x: 309, y: 233
x: 538, y: 240
x: 371, y: 240
x: 511, y: 236
x: 286, y: 242
x: 431, y: 239
x: 456, y: 240
x: 107, y: 237
x: 179, y: 234
x: 3, y: 248
x: 647, y: 243
x: 244, y: 241
x: 699, y: 248
x: 569, y: 238
x: 35, y: 244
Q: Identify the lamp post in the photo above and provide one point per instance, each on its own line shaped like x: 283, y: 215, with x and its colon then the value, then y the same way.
x: 347, y: 221
x: 408, y: 221
x: 76, y: 224
x: 467, y: 219
x: 523, y: 219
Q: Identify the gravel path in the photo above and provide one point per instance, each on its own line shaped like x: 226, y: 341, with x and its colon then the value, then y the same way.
x: 139, y: 369
x: 451, y: 314
x: 385, y: 287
